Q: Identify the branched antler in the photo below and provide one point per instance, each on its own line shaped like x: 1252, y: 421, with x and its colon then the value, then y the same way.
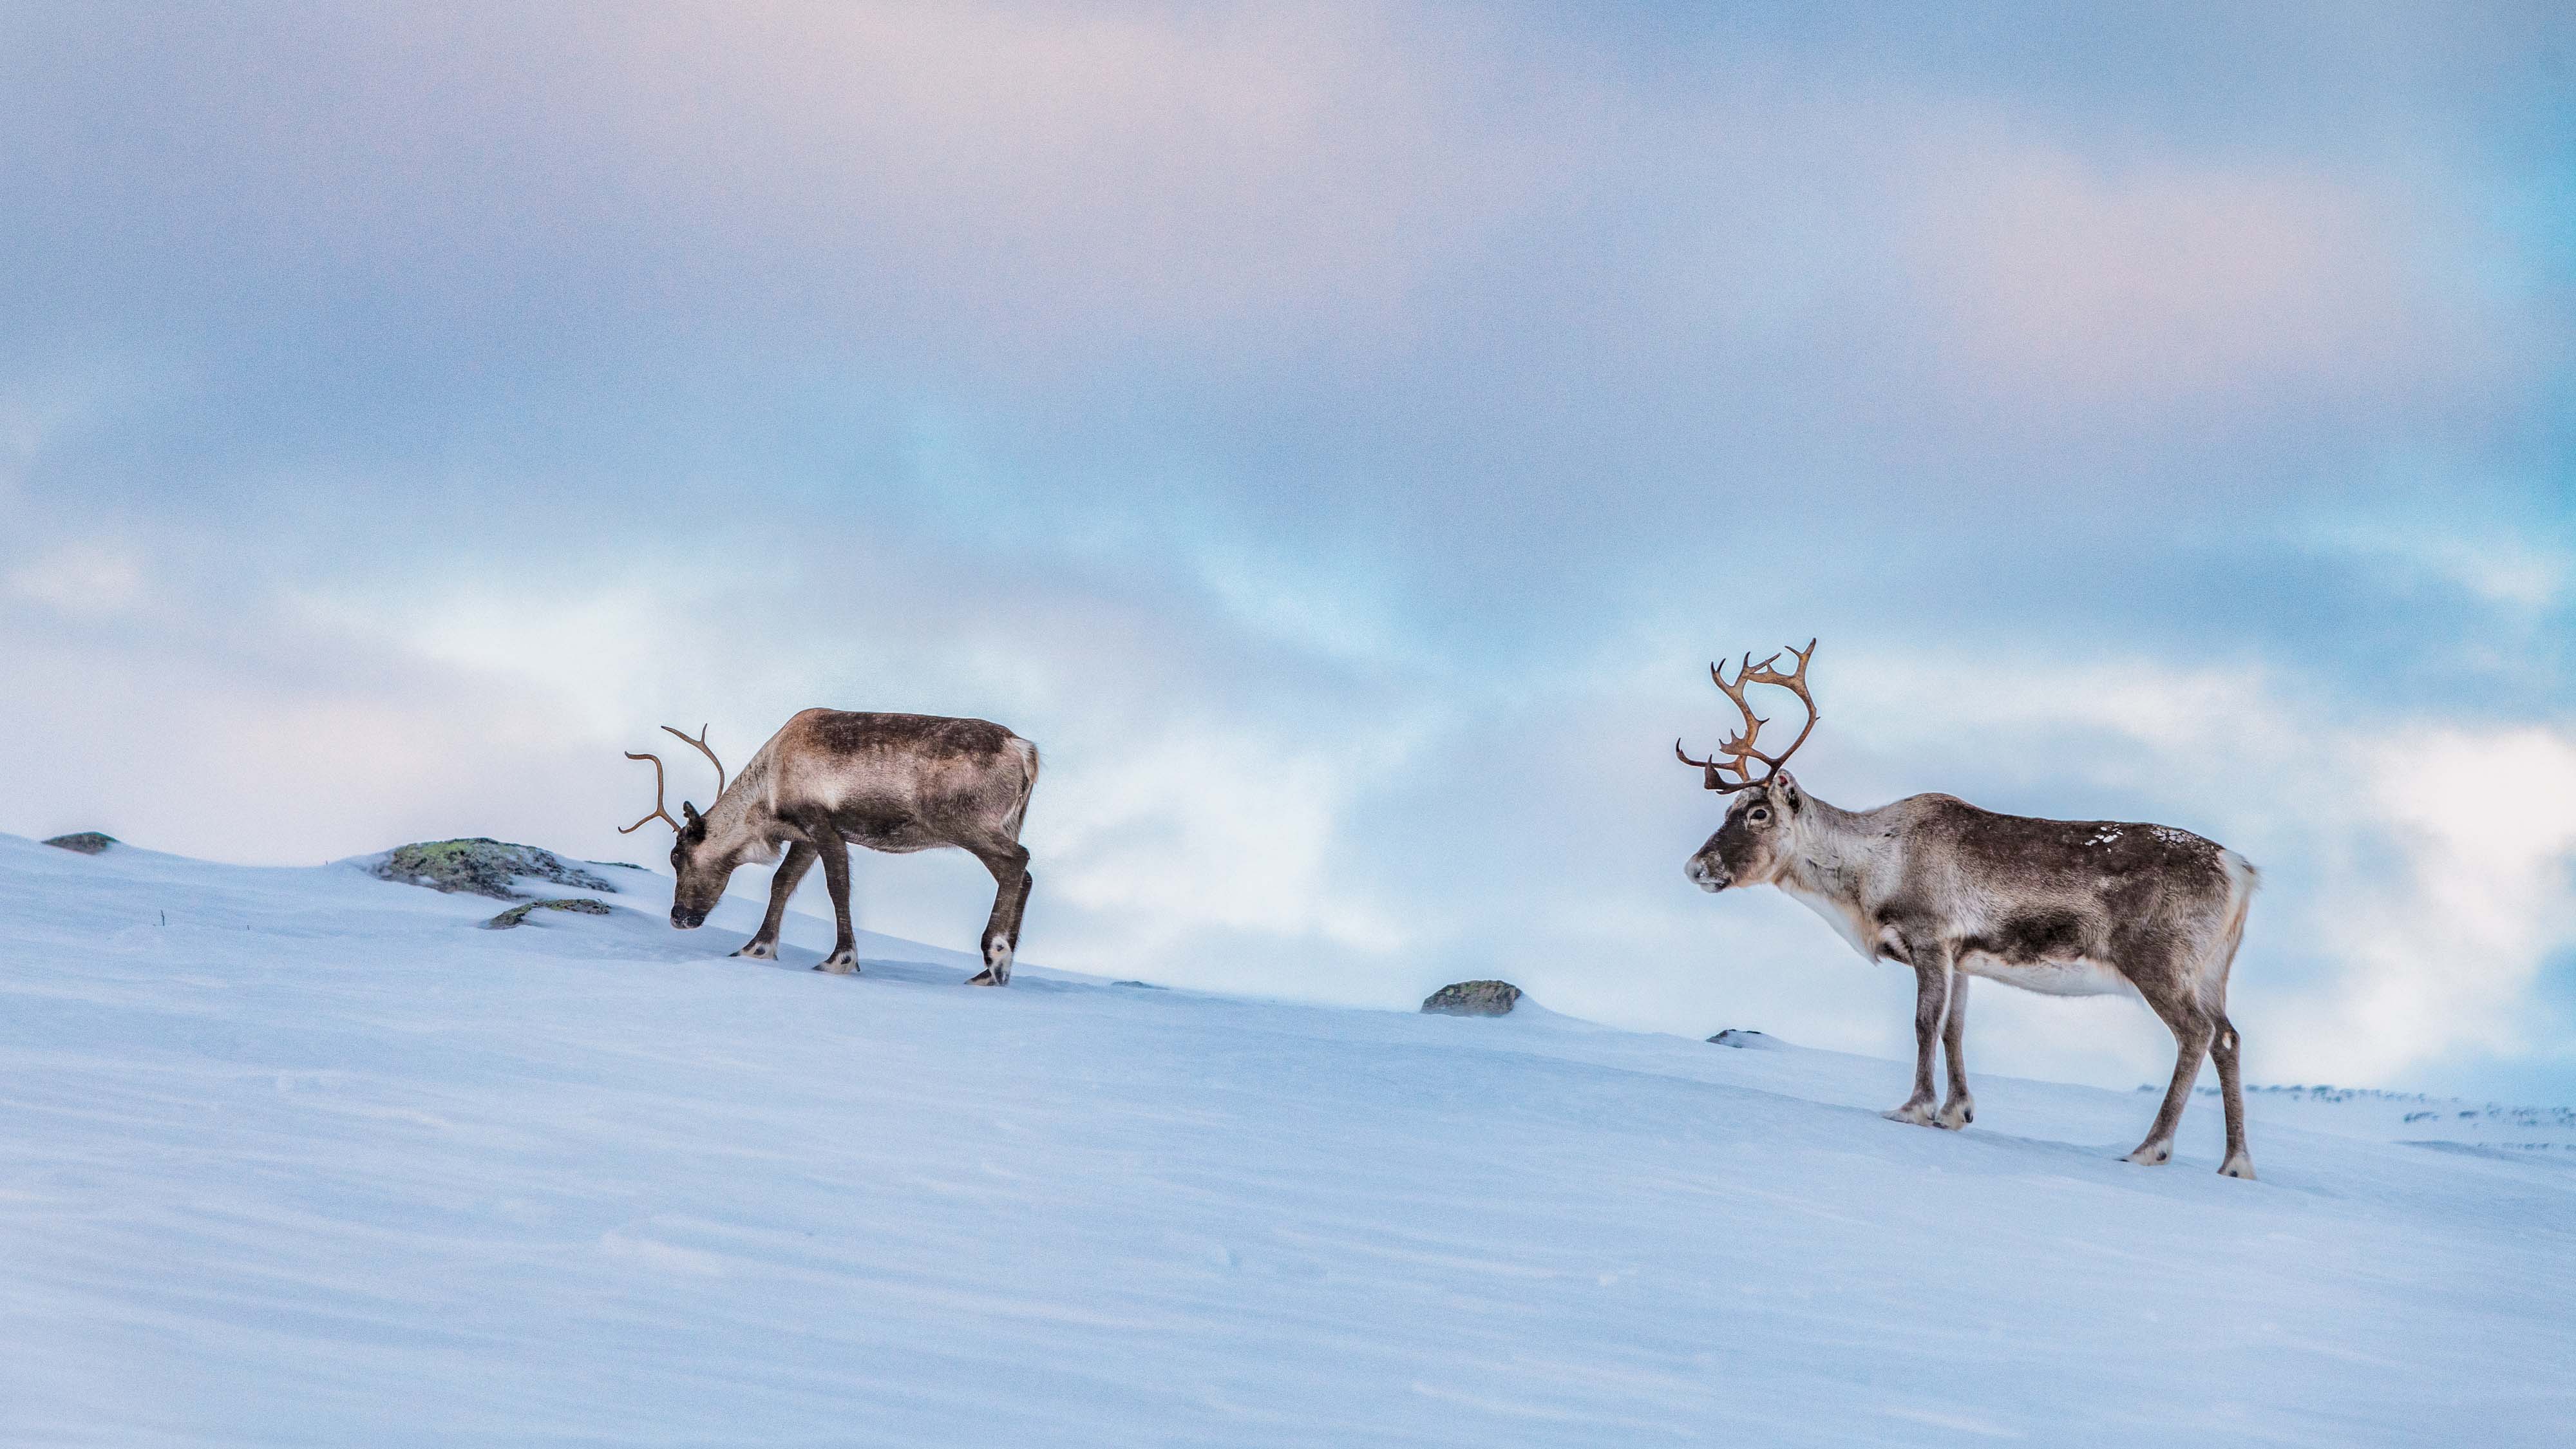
x: 701, y: 743
x: 658, y: 808
x: 1740, y: 750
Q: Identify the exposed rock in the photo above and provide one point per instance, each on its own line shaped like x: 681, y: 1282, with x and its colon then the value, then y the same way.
x: 1473, y: 998
x: 482, y: 867
x: 1139, y: 985
x: 1736, y: 1036
x: 86, y: 842
x: 518, y: 915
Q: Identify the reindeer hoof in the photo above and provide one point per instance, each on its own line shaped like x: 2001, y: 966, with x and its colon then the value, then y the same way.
x: 838, y: 966
x: 986, y: 977
x: 2153, y: 1154
x: 758, y: 951
x: 2239, y: 1166
x: 1955, y: 1115
x: 1918, y: 1114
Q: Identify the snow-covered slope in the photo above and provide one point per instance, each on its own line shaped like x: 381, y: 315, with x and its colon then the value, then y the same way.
x: 317, y: 1162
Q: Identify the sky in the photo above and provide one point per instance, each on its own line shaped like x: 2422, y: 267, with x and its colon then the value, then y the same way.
x: 1340, y: 436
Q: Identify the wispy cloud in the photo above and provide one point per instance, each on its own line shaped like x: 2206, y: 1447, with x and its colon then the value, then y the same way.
x: 2520, y: 568
x: 86, y: 580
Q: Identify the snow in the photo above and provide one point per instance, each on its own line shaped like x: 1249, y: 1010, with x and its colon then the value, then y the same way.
x: 318, y: 1162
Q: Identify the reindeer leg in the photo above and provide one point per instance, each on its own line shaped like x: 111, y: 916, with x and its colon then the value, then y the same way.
x: 1009, y: 864
x: 2191, y: 1028
x: 2223, y: 1043
x: 1020, y: 908
x: 1931, y: 1004
x: 1958, y: 1109
x: 764, y: 946
x: 844, y: 960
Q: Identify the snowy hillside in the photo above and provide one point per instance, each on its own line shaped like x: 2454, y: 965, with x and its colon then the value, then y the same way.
x: 303, y: 1157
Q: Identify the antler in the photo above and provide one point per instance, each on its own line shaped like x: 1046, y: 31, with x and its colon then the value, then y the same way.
x: 701, y: 743
x: 658, y: 807
x: 1740, y: 748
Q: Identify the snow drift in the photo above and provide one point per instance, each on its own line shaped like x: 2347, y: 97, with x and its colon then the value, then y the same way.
x: 302, y: 1157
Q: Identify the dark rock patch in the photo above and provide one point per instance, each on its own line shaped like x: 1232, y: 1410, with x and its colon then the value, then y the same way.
x: 86, y: 842
x: 1473, y: 998
x: 482, y: 867
x: 1736, y: 1036
x: 1138, y: 985
x: 518, y: 915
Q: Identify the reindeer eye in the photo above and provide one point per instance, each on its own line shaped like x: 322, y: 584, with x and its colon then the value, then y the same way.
x: 1757, y: 814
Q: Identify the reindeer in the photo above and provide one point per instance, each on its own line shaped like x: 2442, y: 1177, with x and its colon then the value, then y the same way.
x: 890, y: 782
x: 2065, y: 908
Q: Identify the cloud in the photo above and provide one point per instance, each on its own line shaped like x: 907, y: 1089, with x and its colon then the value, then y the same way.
x: 2173, y: 282
x: 1197, y: 829
x: 86, y: 580
x: 2507, y: 567
x: 1338, y: 437
x: 2448, y: 929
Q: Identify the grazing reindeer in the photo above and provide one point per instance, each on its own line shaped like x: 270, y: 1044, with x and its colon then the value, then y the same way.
x: 891, y: 782
x: 2066, y: 908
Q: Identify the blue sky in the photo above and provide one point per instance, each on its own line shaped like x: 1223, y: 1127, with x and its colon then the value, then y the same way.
x: 1340, y: 437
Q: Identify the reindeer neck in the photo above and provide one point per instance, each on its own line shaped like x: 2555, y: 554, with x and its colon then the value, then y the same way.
x: 744, y: 805
x: 1827, y: 851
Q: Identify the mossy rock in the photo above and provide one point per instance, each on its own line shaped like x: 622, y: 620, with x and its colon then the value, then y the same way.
x: 518, y: 915
x: 1473, y: 998
x: 483, y: 867
x: 86, y: 842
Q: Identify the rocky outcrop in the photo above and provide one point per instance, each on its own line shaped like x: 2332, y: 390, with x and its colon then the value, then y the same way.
x: 518, y: 915
x: 1736, y: 1036
x: 86, y: 842
x: 1473, y: 998
x: 483, y: 867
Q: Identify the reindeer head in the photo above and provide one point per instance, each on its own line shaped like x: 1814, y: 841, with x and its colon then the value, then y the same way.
x: 1748, y: 848
x: 702, y: 867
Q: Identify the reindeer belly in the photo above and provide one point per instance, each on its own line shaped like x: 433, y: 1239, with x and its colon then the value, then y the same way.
x: 892, y: 833
x: 2072, y: 976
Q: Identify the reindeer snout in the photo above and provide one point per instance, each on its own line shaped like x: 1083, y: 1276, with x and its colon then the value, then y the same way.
x: 687, y: 920
x: 1706, y: 876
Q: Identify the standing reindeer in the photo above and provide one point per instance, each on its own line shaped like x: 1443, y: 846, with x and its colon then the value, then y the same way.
x: 891, y: 782
x: 2066, y: 908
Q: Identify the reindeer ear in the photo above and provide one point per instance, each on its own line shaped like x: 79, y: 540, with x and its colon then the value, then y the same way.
x: 1786, y: 785
x: 690, y: 810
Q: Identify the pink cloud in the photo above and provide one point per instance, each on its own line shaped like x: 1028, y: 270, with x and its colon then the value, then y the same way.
x: 2163, y: 281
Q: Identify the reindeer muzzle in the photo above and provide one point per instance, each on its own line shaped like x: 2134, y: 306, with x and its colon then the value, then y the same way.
x: 687, y: 920
x: 1707, y: 877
